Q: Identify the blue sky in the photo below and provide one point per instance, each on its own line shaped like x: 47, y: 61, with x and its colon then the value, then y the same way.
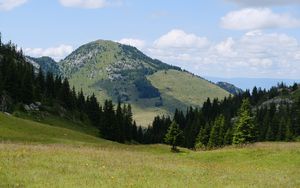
x: 219, y: 38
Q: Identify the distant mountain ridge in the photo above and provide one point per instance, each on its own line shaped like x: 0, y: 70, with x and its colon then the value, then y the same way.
x: 230, y: 88
x: 249, y: 83
x: 47, y: 64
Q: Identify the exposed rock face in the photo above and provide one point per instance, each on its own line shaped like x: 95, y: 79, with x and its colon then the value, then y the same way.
x: 5, y: 102
x: 32, y: 107
x: 277, y: 101
x: 230, y: 88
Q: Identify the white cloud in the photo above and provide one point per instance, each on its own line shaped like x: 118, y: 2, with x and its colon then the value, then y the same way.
x: 179, y: 39
x: 254, y: 54
x: 225, y: 47
x: 140, y: 44
x: 263, y: 3
x: 7, y: 5
x: 257, y: 18
x: 56, y: 53
x: 89, y: 4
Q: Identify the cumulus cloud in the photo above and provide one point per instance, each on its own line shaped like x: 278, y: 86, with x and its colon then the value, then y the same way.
x: 257, y: 18
x: 56, y: 53
x: 263, y: 3
x: 140, y: 44
x: 180, y: 39
x: 89, y: 4
x: 254, y: 54
x: 225, y: 48
x: 6, y: 5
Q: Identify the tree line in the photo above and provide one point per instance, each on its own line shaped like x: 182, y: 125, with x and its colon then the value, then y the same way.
x: 239, y: 119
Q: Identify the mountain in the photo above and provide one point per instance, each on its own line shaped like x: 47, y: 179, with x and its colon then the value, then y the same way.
x: 230, y: 88
x: 120, y: 72
x: 249, y: 83
x: 46, y: 63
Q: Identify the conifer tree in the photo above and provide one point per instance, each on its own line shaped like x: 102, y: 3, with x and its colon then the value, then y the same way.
x: 228, y: 137
x: 134, y: 131
x: 281, y: 130
x: 244, y: 126
x: 120, y: 127
x: 201, y: 140
x: 288, y: 133
x: 217, y: 133
x: 174, y: 136
x: 140, y: 135
x: 270, y: 134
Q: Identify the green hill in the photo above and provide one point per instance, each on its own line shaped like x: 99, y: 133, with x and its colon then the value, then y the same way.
x: 120, y: 72
x: 39, y: 155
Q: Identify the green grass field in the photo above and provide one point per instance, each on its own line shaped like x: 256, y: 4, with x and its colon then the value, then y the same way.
x: 38, y: 155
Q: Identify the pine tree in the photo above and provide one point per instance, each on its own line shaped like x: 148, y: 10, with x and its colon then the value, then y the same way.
x: 217, y: 133
x: 108, y: 122
x: 134, y: 131
x: 281, y: 130
x: 27, y: 87
x: 288, y: 133
x: 120, y: 124
x: 140, y: 135
x: 80, y: 101
x: 127, y: 121
x: 228, y: 137
x: 201, y: 139
x: 244, y: 126
x: 270, y: 134
x: 40, y: 85
x: 174, y: 136
x: 49, y: 86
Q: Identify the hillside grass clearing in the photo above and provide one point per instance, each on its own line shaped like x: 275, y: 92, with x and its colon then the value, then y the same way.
x: 38, y: 155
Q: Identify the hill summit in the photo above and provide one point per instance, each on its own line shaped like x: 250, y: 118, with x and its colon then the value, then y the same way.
x: 120, y: 72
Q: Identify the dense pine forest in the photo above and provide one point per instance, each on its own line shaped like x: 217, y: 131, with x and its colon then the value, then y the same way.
x: 247, y: 117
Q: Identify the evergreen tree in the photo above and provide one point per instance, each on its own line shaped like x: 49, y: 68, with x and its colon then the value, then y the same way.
x: 288, y: 133
x: 281, y: 130
x: 270, y: 134
x: 80, y: 101
x: 40, y: 85
x: 244, y: 126
x: 174, y: 136
x: 49, y: 86
x: 201, y: 140
x: 27, y: 87
x: 108, y: 122
x: 120, y: 124
x: 134, y: 131
x: 140, y: 135
x: 217, y: 133
x: 228, y: 137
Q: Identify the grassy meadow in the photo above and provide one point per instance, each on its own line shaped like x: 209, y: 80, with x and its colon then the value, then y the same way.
x: 39, y: 155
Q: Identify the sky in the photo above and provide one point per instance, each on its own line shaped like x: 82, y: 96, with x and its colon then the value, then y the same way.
x: 216, y: 38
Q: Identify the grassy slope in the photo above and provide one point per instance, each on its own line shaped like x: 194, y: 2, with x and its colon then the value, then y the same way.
x: 178, y: 90
x: 184, y: 87
x: 102, y: 163
x: 56, y: 121
x: 20, y: 130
